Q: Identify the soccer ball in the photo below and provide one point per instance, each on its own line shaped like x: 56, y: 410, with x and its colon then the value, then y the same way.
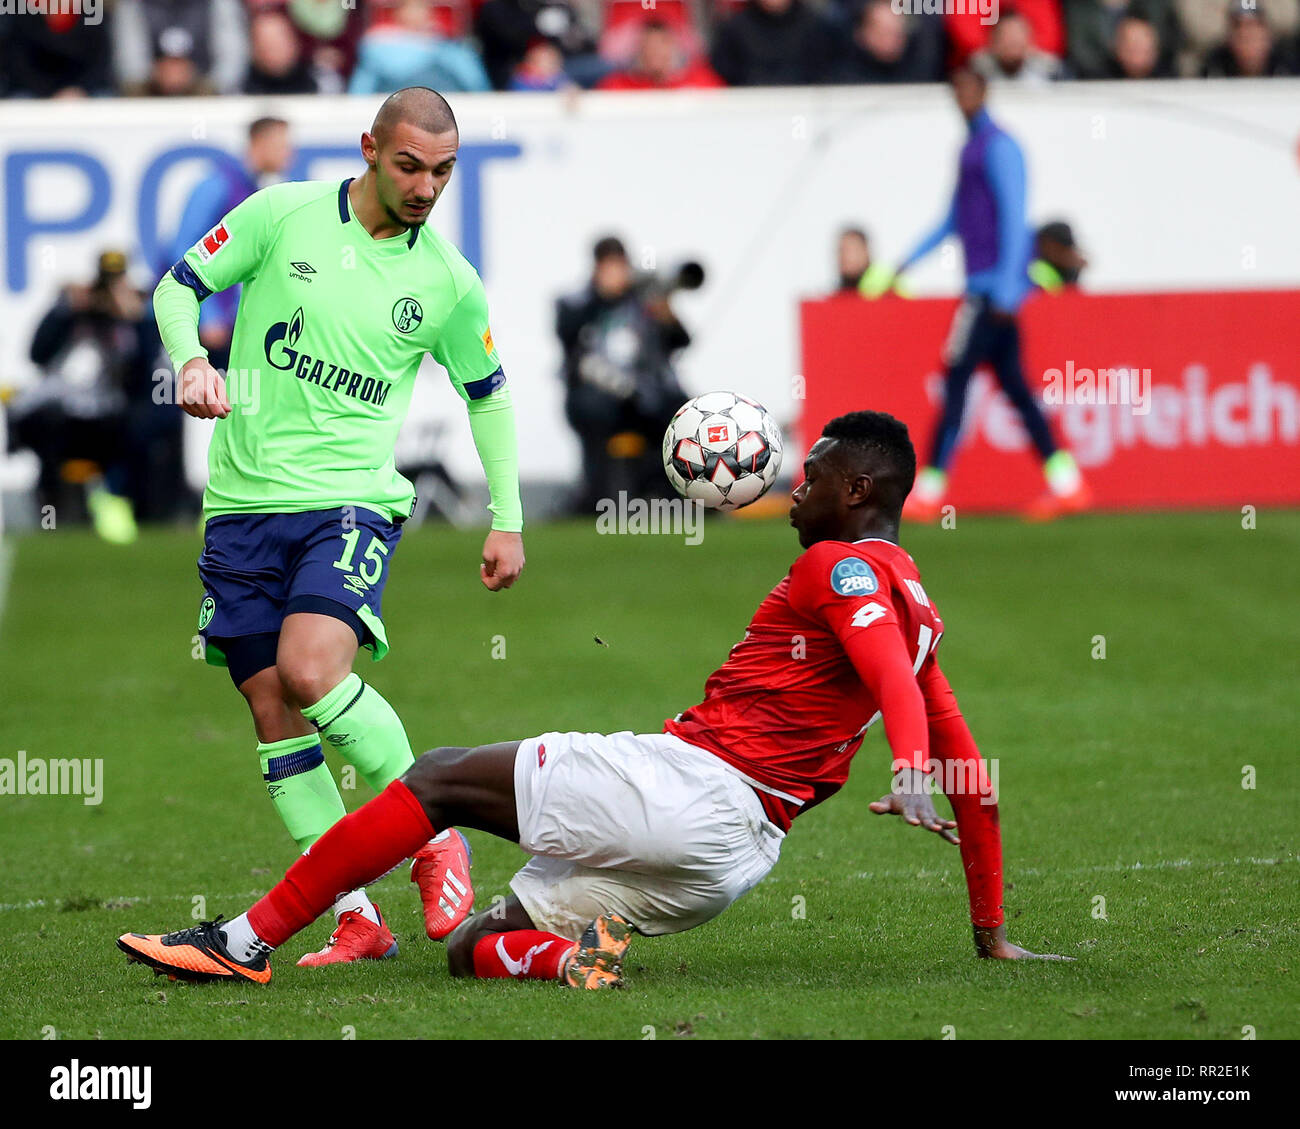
x: 722, y: 449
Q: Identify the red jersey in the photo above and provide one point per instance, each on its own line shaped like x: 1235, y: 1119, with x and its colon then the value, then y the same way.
x: 848, y: 636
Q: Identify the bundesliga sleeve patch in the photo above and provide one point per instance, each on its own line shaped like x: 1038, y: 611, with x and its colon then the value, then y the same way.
x: 853, y: 577
x: 211, y: 243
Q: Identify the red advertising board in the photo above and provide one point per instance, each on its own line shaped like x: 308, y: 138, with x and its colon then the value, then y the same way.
x: 1166, y: 400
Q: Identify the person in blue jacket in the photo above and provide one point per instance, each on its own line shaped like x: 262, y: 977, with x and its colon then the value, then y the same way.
x: 266, y: 161
x: 987, y: 214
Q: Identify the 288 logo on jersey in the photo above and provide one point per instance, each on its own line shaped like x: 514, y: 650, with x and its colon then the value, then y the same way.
x: 853, y: 577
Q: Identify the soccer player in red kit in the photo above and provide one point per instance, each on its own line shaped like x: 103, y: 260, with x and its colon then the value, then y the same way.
x: 657, y: 833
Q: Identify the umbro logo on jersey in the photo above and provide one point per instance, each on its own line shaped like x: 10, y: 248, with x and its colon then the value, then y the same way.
x: 300, y: 270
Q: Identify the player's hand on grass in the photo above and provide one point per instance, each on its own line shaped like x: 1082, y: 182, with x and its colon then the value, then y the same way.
x: 909, y: 798
x: 202, y: 390
x: 503, y: 559
x: 993, y: 944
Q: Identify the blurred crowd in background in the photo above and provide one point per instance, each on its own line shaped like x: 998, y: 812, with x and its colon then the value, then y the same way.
x: 267, y: 47
x: 109, y: 446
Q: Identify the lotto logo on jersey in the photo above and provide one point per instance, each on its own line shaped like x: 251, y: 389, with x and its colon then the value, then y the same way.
x: 211, y: 243
x: 853, y: 577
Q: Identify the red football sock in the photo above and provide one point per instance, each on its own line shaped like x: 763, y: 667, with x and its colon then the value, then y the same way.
x: 968, y: 789
x: 355, y: 851
x: 524, y: 954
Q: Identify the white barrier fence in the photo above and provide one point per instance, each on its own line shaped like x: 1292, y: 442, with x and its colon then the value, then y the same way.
x: 1181, y: 185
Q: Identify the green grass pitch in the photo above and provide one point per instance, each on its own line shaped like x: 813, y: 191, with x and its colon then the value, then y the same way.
x: 1121, y: 779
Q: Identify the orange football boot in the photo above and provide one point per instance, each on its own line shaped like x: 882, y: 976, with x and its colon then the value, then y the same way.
x: 355, y: 937
x: 441, y: 872
x: 197, y: 954
x: 597, y: 962
x: 1050, y: 505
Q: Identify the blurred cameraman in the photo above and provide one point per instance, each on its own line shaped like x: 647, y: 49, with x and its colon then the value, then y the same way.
x: 94, y: 348
x: 619, y: 334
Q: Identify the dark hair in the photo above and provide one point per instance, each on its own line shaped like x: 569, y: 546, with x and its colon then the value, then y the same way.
x: 856, y: 232
x: 261, y: 125
x: 882, y: 441
x: 608, y: 247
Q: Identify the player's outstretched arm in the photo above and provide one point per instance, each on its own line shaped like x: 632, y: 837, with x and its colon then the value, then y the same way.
x: 492, y: 422
x: 200, y: 389
x: 466, y: 350
x: 881, y: 660
x: 910, y: 798
x: 974, y: 802
x: 869, y: 633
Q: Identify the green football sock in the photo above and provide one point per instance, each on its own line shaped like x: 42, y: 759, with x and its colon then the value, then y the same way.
x: 1062, y: 473
x: 356, y: 720
x: 301, y: 787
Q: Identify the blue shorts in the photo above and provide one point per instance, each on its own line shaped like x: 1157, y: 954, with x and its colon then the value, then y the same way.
x: 258, y: 568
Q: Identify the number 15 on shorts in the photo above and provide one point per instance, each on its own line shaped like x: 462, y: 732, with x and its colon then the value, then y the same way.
x: 372, y: 560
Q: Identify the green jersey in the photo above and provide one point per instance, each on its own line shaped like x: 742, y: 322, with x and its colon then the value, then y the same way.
x: 331, y: 329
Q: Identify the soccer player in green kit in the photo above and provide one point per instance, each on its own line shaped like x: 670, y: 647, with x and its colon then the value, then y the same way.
x: 345, y: 289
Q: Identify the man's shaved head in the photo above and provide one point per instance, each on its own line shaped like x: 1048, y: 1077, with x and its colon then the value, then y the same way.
x: 419, y: 106
x: 411, y: 152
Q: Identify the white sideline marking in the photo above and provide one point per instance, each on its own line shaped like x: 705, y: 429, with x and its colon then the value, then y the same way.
x: 245, y: 899
x: 1114, y: 868
x: 6, y: 573
x: 29, y: 904
x: 1160, y: 864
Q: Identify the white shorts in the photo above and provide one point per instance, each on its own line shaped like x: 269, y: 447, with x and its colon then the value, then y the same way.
x: 645, y: 825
